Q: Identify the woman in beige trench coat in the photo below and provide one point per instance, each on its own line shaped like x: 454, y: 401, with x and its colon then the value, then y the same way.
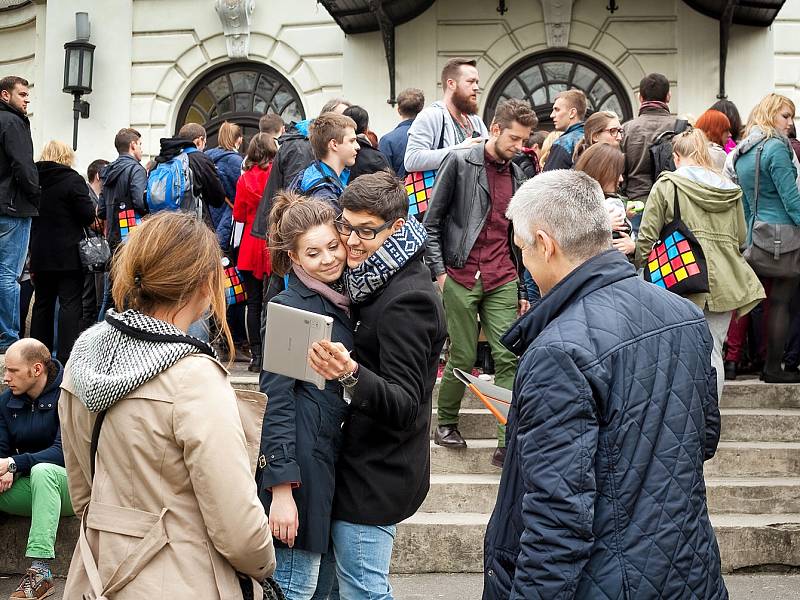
x: 171, y: 511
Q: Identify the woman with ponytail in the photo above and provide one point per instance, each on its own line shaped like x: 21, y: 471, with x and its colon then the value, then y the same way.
x: 711, y: 207
x: 303, y: 425
x: 148, y: 413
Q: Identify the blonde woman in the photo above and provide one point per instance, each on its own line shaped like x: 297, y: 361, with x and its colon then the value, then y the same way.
x: 711, y: 207
x: 65, y: 211
x: 168, y: 500
x: 778, y: 204
x: 547, y: 145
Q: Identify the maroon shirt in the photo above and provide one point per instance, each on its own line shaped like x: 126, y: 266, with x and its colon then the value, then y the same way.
x: 490, y: 257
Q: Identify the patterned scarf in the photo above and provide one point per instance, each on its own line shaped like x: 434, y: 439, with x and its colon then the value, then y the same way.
x: 371, y: 275
x: 652, y: 105
x: 113, y: 358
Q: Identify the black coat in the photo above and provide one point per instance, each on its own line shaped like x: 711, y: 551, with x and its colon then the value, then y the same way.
x: 124, y: 188
x: 368, y: 160
x: 19, y: 180
x: 65, y: 210
x: 293, y: 156
x: 615, y: 409
x: 303, y: 429
x: 383, y: 473
x: 30, y: 432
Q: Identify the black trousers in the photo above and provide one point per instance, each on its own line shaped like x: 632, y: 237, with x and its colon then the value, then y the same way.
x: 93, y: 290
x: 67, y: 287
x: 255, y: 297
x: 779, y: 299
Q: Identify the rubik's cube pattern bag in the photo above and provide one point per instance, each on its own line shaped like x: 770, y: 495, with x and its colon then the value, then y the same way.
x: 677, y: 262
x: 127, y: 219
x: 234, y: 288
x: 419, y: 185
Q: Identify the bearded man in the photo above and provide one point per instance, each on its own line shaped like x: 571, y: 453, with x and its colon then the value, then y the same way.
x: 452, y: 122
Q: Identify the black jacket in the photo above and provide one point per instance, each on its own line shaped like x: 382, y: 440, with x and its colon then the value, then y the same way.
x: 206, y: 184
x: 124, y: 187
x: 30, y: 432
x: 65, y: 210
x: 19, y: 180
x: 368, y: 160
x: 615, y: 410
x: 302, y: 430
x: 294, y: 155
x: 383, y: 474
x: 455, y: 219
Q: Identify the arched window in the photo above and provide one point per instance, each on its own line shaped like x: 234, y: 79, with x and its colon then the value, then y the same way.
x: 240, y: 93
x: 540, y: 77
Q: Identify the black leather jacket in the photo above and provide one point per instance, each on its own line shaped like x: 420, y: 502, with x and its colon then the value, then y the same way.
x: 458, y: 210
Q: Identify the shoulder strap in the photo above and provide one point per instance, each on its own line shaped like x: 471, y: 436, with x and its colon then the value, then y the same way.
x: 98, y: 424
x: 676, y: 205
x: 757, y: 181
x: 440, y: 145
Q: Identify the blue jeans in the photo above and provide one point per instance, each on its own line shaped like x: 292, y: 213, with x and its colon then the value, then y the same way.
x: 199, y: 329
x: 296, y: 572
x: 363, y: 554
x: 14, y: 237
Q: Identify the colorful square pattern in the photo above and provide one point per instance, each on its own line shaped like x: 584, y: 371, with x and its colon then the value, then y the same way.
x: 234, y: 289
x: 672, y: 261
x: 418, y: 188
x: 128, y: 219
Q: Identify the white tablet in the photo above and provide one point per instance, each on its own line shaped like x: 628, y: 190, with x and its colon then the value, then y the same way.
x: 290, y: 333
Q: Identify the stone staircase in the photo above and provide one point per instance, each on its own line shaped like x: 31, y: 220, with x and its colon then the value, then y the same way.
x: 753, y: 491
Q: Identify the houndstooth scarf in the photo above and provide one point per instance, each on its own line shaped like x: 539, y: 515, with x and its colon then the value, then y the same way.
x: 113, y: 358
x: 371, y: 275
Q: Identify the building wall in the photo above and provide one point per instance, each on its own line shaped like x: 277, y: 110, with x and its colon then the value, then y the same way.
x: 149, y: 54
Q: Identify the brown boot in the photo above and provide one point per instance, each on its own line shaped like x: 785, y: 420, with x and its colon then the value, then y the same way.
x: 34, y: 585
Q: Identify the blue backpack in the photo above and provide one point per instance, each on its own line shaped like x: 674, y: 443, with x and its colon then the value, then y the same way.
x: 170, y: 186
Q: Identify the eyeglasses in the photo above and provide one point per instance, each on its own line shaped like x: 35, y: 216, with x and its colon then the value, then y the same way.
x: 615, y: 131
x: 364, y: 233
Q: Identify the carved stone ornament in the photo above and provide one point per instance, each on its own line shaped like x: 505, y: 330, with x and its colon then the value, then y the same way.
x: 557, y: 19
x: 235, y: 17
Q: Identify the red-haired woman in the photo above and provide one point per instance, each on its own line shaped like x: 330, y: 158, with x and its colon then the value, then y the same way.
x: 717, y: 128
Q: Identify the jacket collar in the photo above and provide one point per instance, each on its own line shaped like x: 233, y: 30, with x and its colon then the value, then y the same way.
x: 477, y: 154
x: 573, y: 127
x: 598, y: 272
x: 8, y: 108
x: 53, y: 384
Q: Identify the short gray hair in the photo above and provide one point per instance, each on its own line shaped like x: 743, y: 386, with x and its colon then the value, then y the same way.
x: 568, y: 205
x: 333, y: 103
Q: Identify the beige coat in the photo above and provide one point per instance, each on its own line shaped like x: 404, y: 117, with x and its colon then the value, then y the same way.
x: 173, y: 512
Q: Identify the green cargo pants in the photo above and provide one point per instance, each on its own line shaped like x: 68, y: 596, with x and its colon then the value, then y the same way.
x: 43, y: 496
x: 497, y: 310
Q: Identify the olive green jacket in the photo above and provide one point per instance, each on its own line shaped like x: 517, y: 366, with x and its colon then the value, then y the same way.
x: 711, y: 207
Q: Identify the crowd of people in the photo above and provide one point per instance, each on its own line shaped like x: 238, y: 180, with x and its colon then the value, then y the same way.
x: 611, y: 268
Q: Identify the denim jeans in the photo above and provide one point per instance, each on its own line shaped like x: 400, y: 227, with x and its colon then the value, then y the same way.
x: 14, y: 237
x: 363, y: 554
x: 296, y: 571
x: 199, y: 329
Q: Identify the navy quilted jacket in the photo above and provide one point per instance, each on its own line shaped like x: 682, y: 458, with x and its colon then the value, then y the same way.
x: 602, y: 495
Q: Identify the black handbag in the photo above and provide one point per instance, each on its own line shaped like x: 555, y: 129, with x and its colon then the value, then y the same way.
x: 774, y: 249
x: 94, y: 252
x: 272, y: 591
x: 677, y: 262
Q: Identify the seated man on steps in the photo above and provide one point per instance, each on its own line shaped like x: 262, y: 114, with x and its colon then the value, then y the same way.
x: 33, y: 481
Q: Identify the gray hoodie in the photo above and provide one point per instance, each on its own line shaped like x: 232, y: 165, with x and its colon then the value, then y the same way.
x: 424, y: 152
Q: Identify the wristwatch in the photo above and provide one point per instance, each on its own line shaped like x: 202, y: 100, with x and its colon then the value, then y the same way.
x: 12, y: 466
x: 349, y: 380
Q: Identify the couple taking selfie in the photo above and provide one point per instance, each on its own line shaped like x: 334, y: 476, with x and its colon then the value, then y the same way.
x: 163, y: 481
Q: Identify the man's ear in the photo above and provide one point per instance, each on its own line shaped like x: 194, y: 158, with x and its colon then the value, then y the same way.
x: 398, y: 225
x: 495, y: 130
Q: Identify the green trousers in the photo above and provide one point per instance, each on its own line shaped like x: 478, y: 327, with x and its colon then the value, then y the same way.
x: 497, y: 310
x: 43, y: 496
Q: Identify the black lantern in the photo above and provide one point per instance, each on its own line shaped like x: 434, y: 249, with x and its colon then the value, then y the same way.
x: 78, y: 66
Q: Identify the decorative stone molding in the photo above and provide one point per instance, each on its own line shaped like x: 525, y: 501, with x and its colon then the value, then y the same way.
x: 235, y: 17
x: 557, y: 19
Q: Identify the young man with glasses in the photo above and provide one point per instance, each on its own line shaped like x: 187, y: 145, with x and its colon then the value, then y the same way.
x: 383, y: 471
x: 471, y: 254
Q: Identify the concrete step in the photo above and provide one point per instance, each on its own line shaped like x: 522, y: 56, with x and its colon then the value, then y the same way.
x: 752, y: 393
x: 760, y: 424
x: 733, y: 459
x: 755, y: 459
x: 746, y: 541
x: 462, y: 493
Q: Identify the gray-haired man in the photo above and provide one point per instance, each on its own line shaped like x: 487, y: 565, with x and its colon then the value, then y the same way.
x: 614, y: 411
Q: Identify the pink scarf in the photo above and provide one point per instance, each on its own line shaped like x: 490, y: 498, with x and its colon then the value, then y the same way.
x: 323, y: 289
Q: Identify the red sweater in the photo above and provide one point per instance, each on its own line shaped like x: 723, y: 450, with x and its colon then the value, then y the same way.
x: 253, y: 253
